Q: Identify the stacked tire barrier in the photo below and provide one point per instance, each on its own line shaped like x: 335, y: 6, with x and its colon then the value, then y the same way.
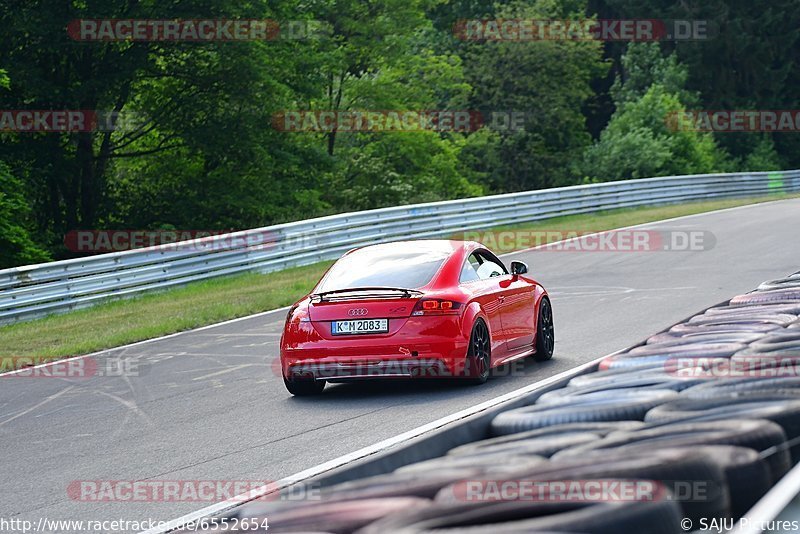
x: 705, y: 416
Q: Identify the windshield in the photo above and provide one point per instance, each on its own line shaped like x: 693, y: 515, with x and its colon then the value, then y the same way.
x: 385, y: 265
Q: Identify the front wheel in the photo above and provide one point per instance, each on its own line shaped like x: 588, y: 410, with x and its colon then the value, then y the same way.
x: 545, y: 333
x: 304, y: 388
x: 479, y: 354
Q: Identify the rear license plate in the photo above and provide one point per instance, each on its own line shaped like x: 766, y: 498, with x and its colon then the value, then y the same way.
x: 359, y: 326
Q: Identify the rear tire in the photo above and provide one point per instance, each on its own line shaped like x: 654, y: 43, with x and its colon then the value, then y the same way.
x: 545, y: 332
x: 304, y: 388
x: 479, y: 354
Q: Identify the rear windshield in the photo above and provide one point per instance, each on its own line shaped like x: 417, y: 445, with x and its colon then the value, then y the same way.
x: 384, y: 266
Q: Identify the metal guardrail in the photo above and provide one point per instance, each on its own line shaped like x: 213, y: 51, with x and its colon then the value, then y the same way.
x: 36, y: 290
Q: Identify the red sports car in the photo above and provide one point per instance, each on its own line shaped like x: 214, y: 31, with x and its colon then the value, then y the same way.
x: 432, y: 308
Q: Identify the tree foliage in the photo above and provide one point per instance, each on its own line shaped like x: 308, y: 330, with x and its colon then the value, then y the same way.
x: 201, y: 151
x: 16, y: 245
x: 642, y: 139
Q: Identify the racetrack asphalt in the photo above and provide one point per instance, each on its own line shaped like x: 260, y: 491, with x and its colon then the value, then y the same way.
x: 207, y: 404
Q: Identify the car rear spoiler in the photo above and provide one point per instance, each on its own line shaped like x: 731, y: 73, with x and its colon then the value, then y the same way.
x: 372, y: 292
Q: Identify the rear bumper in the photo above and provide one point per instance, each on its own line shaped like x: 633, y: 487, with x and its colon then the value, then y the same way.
x: 342, y: 372
x: 423, y: 348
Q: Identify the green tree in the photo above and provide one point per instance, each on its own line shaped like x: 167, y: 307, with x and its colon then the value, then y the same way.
x: 548, y: 81
x: 764, y: 157
x: 391, y: 63
x: 749, y: 60
x: 17, y: 247
x: 643, y: 65
x: 640, y: 142
x: 644, y: 137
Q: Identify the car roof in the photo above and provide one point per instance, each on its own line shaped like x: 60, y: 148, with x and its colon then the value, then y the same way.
x: 424, y: 245
x: 456, y: 252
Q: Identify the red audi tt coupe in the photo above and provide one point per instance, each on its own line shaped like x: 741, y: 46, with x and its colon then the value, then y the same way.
x: 428, y: 308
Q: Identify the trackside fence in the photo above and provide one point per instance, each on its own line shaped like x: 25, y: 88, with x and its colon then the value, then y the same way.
x: 36, y: 290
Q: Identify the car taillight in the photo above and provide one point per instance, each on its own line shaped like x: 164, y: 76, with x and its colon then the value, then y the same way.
x: 289, y: 315
x: 436, y: 307
x: 299, y: 313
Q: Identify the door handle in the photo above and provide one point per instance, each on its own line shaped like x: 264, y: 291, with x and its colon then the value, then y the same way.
x: 501, y: 298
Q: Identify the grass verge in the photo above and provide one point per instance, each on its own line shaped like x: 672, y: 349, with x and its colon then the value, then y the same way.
x: 202, y: 303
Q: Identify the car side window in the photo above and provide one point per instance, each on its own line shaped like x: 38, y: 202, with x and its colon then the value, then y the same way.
x: 480, y: 266
x: 489, y: 269
x: 469, y: 272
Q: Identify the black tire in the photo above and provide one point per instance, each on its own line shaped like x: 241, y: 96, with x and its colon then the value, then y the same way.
x: 683, y: 328
x: 793, y: 309
x: 304, y: 388
x: 622, y: 376
x: 758, y: 434
x: 747, y: 475
x: 545, y: 332
x: 621, y: 385
x: 660, y: 516
x: 626, y: 407
x: 782, y: 283
x: 674, y: 359
x: 786, y: 349
x: 717, y: 388
x: 669, y: 363
x: 763, y: 363
x: 742, y: 318
x: 396, y: 484
x: 420, y: 487
x: 479, y: 355
x: 783, y: 409
x: 627, y: 363
x: 671, y: 340
x: 610, y: 376
x: 657, y: 355
x: 488, y: 464
x: 773, y: 296
x: 539, y: 446
x: 688, y: 350
x: 339, y: 517
x: 674, y: 469
x: 779, y: 337
x: 599, y: 429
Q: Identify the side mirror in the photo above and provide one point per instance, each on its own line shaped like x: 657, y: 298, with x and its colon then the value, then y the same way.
x: 518, y: 267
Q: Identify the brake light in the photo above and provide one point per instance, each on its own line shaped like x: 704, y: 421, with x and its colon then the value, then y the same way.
x: 436, y: 307
x: 290, y: 314
x: 299, y: 313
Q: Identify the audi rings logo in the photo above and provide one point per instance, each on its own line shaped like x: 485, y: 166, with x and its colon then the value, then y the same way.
x: 357, y: 312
